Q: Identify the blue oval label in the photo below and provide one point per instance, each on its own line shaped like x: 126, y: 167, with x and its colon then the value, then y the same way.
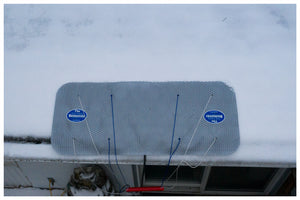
x: 76, y: 115
x: 214, y: 116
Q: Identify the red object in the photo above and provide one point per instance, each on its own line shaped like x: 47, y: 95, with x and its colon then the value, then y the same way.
x: 142, y: 189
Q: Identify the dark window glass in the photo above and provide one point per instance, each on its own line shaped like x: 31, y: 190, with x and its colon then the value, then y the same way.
x: 239, y: 178
x: 156, y: 173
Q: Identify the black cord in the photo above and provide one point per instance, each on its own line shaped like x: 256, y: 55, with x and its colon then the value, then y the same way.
x: 143, y: 174
x: 115, y: 148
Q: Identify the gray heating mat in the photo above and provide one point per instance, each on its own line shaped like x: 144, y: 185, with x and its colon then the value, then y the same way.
x: 144, y: 115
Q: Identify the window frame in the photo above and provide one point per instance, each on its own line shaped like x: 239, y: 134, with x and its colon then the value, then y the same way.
x: 200, y: 188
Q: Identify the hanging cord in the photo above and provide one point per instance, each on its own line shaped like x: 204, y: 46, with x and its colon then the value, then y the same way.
x: 168, y: 166
x: 182, y: 161
x: 171, y: 148
x: 115, y: 148
x: 176, y: 179
x: 176, y: 170
x: 109, y: 163
x: 143, y: 173
x: 109, y: 155
x: 197, y: 126
x: 194, y: 132
x: 197, y: 165
x: 89, y: 130
x: 74, y: 149
x: 178, y: 143
x: 126, y: 185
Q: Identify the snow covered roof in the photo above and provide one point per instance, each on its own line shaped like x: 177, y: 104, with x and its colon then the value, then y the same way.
x: 251, y: 48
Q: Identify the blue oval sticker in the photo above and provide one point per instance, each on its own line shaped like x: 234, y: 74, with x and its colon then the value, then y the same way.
x: 214, y: 116
x: 76, y: 115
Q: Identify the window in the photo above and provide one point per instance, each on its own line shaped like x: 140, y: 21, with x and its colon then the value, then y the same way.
x: 239, y: 178
x: 185, y: 174
x: 215, y: 180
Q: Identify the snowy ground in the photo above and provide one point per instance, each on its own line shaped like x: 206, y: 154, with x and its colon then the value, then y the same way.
x: 252, y: 48
x: 31, y: 192
x: 46, y: 192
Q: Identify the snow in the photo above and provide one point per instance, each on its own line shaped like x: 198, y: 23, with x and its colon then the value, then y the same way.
x: 252, y: 48
x: 264, y: 154
x: 31, y: 192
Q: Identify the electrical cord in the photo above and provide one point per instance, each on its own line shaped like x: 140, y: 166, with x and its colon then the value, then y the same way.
x: 171, y: 147
x: 109, y: 164
x: 115, y: 148
x: 167, y: 170
x: 194, y: 132
x: 89, y: 130
x: 197, y: 165
x: 143, y: 173
x: 183, y: 161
